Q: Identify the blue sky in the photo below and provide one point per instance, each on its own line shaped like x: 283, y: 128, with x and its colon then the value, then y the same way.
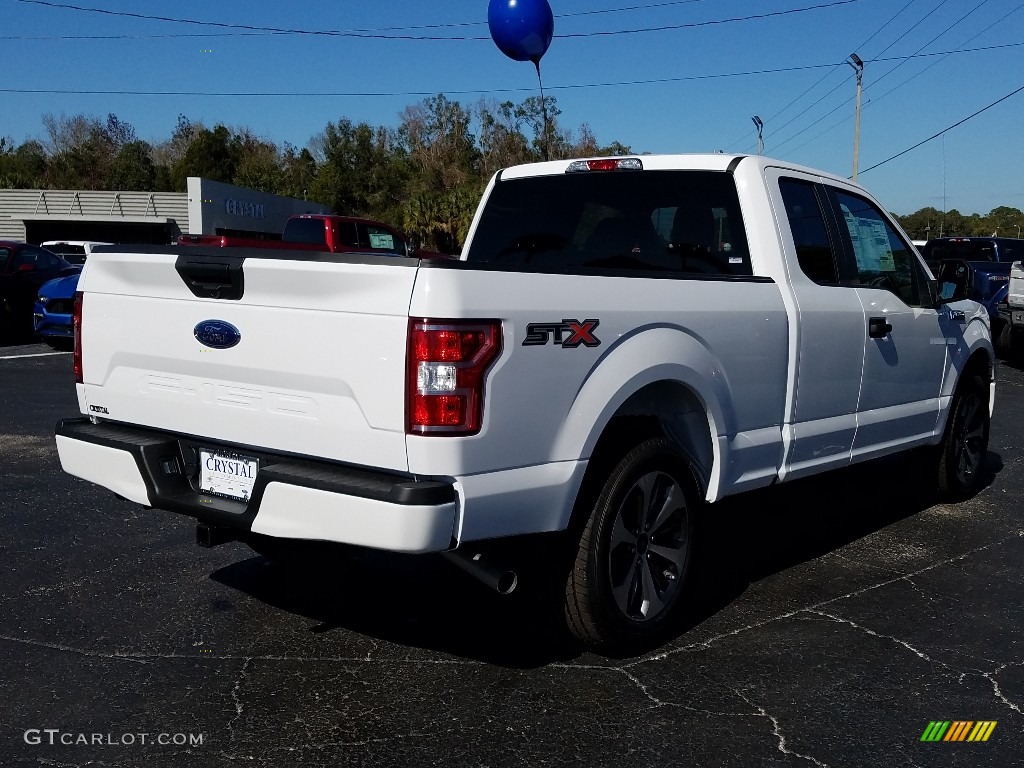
x: 714, y: 74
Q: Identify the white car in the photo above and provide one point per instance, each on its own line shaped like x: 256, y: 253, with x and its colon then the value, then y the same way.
x: 72, y: 251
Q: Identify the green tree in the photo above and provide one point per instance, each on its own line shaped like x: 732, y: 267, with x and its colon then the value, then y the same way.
x: 1004, y: 221
x: 133, y: 168
x: 211, y: 155
x: 259, y: 163
x: 298, y: 172
x: 23, y: 167
x: 502, y: 141
x: 361, y: 172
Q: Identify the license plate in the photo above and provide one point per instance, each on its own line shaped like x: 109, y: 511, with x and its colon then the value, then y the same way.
x: 1017, y: 317
x: 227, y: 474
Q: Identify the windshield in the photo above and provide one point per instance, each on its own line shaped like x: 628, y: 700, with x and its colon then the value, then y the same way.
x: 74, y: 254
x: 965, y: 250
x: 684, y: 222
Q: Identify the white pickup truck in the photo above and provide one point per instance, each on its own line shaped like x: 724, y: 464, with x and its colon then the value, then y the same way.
x: 1012, y: 315
x: 623, y: 341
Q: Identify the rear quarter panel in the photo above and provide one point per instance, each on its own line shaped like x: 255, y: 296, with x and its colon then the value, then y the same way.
x: 724, y: 340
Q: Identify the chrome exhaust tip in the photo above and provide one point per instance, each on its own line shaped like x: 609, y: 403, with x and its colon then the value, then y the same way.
x: 501, y: 580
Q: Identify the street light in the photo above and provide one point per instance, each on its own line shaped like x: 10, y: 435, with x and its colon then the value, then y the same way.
x: 1018, y: 231
x: 858, y: 66
x: 759, y: 124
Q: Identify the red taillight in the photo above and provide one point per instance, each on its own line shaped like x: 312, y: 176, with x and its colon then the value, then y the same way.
x: 606, y: 164
x: 76, y: 324
x: 446, y: 366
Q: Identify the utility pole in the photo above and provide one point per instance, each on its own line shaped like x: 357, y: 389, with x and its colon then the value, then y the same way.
x: 759, y: 124
x: 858, y: 67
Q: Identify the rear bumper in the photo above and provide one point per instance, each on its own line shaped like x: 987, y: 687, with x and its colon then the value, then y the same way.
x: 292, y: 498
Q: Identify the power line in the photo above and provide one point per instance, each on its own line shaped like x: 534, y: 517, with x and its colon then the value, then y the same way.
x: 471, y: 91
x: 942, y: 56
x: 839, y: 85
x: 975, y: 8
x: 944, y: 130
x: 824, y: 77
x: 373, y: 35
x: 449, y: 25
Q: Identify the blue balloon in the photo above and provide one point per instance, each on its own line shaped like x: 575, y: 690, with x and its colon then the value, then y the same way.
x: 522, y: 29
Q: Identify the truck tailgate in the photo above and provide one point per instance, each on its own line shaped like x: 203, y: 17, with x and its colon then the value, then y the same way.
x: 318, y: 369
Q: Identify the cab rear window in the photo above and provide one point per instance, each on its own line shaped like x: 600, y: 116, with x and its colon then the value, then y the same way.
x: 679, y: 222
x: 309, y: 231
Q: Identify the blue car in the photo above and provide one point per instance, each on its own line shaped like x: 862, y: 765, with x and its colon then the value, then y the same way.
x: 52, y: 312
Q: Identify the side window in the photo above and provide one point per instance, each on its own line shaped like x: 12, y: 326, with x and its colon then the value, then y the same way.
x: 381, y: 239
x: 345, y: 231
x: 814, y: 250
x: 883, y: 259
x: 26, y: 256
x: 47, y: 260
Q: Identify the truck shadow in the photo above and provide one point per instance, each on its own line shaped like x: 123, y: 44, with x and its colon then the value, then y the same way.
x: 425, y: 602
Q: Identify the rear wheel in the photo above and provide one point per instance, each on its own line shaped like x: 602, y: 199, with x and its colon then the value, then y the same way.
x: 626, y: 584
x: 965, y: 442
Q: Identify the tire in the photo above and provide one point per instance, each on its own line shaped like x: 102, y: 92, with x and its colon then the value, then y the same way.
x: 1015, y: 346
x: 626, y: 585
x: 965, y: 442
x: 1002, y: 339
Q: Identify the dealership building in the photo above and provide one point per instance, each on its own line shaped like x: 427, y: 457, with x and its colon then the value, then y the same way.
x: 208, y: 208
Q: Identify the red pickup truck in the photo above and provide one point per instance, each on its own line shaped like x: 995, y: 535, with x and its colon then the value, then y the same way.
x: 326, y: 232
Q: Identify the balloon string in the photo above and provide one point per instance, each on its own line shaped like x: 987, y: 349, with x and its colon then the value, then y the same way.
x: 544, y: 112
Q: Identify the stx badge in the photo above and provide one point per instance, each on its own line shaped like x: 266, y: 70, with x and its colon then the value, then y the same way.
x: 568, y: 334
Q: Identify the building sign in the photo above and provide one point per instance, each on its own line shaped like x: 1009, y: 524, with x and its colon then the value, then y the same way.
x: 245, y: 208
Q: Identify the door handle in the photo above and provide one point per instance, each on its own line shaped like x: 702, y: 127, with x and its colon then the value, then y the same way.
x: 878, y: 328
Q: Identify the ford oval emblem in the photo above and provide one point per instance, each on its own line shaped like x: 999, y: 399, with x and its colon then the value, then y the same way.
x: 217, y: 334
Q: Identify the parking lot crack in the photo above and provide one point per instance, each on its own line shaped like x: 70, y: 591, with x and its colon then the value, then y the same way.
x: 991, y: 677
x: 643, y: 688
x: 236, y: 697
x: 920, y: 654
x: 777, y: 732
x: 706, y: 644
x: 116, y: 655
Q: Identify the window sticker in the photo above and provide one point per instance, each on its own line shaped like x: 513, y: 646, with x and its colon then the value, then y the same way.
x: 382, y: 240
x: 870, y: 243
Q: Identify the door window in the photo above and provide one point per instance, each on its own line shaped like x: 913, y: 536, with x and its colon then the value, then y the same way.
x: 381, y: 239
x: 814, y: 250
x: 345, y: 233
x: 883, y: 259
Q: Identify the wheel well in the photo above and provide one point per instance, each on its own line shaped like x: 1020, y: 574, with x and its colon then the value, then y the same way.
x: 661, y: 409
x: 979, y: 364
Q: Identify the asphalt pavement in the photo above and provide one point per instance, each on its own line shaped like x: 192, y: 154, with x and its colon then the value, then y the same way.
x: 834, y: 620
